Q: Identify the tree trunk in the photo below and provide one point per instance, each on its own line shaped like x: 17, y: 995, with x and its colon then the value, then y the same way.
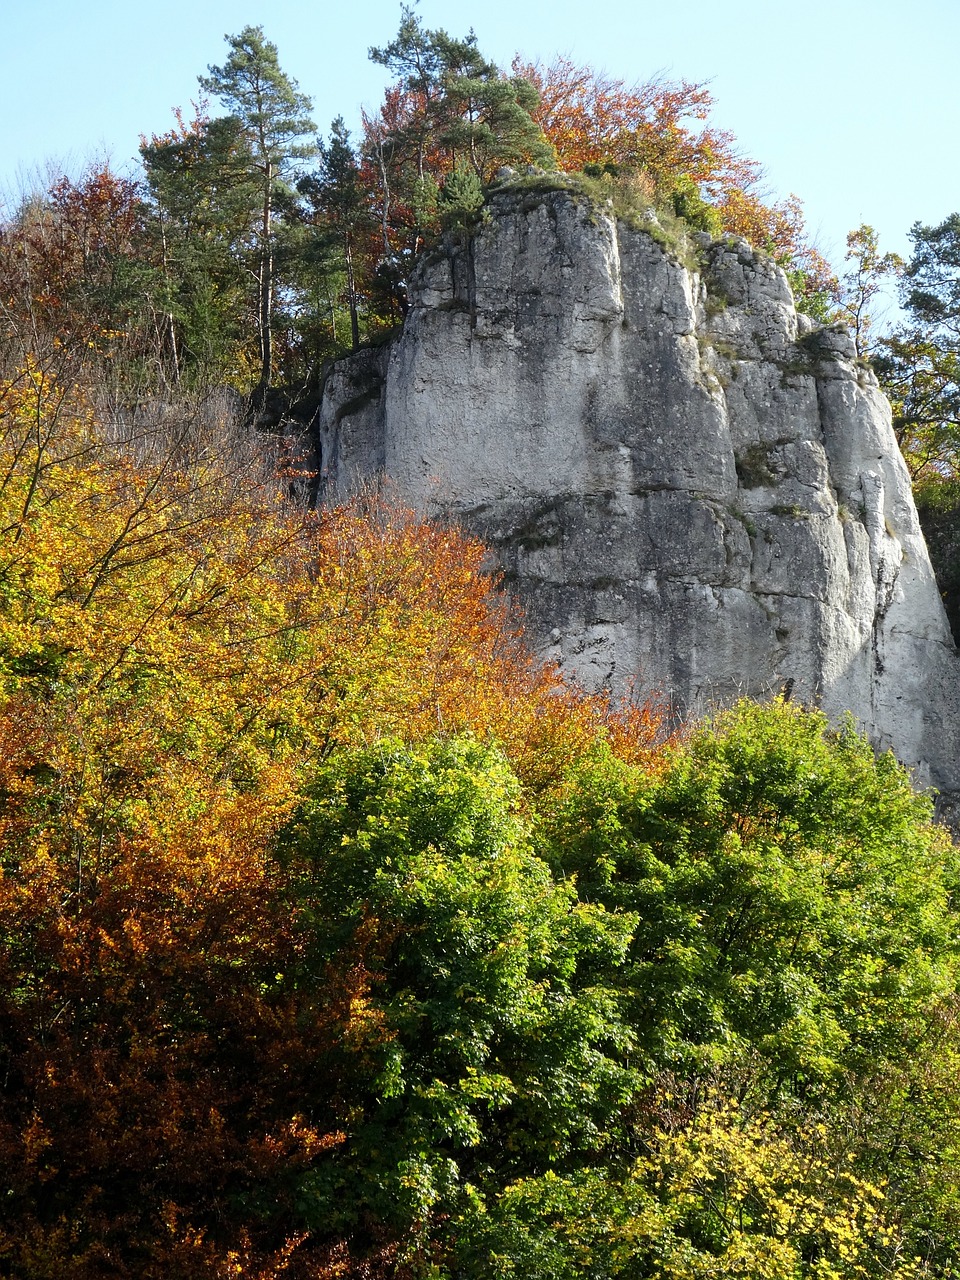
x: 352, y: 294
x: 385, y: 210
x: 265, y: 320
x: 170, y: 323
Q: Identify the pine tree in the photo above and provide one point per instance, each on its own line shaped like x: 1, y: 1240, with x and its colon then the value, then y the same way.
x: 337, y: 195
x: 274, y: 116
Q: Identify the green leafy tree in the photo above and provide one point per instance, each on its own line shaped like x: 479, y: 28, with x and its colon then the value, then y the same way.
x: 919, y: 365
x: 932, y: 277
x: 712, y: 1072
x: 274, y: 117
x: 491, y: 1054
x: 920, y: 372
x: 449, y: 111
x: 863, y: 282
x: 793, y: 897
x: 416, y: 63
x: 484, y: 119
x: 461, y: 198
x: 204, y: 196
x: 791, y: 983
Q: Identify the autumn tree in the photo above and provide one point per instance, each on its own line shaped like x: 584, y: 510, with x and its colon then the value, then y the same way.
x: 78, y: 275
x: 179, y: 656
x: 661, y: 129
x: 659, y: 126
x: 340, y: 937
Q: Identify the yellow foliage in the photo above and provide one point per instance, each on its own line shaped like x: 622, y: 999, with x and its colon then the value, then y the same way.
x: 723, y: 1194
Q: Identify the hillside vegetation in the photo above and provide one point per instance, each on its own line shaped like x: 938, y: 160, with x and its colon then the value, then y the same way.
x: 338, y: 937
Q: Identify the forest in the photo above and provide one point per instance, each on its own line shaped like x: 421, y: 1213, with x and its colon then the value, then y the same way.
x: 339, y: 936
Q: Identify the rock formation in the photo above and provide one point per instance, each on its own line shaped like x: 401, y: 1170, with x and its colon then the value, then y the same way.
x: 690, y: 488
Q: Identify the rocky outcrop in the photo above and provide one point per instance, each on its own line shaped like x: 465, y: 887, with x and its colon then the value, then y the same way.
x: 690, y: 489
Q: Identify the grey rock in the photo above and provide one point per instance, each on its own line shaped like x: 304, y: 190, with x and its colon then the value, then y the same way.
x: 692, y: 490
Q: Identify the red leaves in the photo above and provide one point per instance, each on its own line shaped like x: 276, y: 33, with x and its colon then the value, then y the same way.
x: 661, y: 128
x: 58, y: 273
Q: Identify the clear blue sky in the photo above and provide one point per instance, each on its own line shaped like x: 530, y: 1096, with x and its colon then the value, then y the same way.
x: 852, y: 104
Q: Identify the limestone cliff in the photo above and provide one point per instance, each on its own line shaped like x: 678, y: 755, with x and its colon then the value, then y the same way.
x: 689, y: 488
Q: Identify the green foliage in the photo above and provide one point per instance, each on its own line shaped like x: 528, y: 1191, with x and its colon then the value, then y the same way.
x: 690, y: 205
x: 273, y: 115
x: 717, y: 1193
x: 492, y: 122
x: 205, y: 201
x: 753, y: 466
x: 598, y: 170
x: 791, y: 895
x: 267, y: 102
x: 458, y: 103
x: 932, y: 277
x: 289, y: 979
x: 335, y: 192
x: 920, y: 372
x: 863, y: 281
x: 492, y: 1056
x: 335, y: 188
x: 461, y: 198
x: 811, y: 296
x: 919, y: 364
x: 764, y: 927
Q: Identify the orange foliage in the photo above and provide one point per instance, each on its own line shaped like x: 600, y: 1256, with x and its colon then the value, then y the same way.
x: 778, y: 228
x: 443, y: 650
x: 660, y: 126
x: 177, y: 653
x: 395, y: 154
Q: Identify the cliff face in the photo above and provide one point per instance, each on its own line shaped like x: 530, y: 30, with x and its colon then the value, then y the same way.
x: 689, y: 490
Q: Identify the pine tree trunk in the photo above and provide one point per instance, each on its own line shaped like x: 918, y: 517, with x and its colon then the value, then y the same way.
x: 352, y: 291
x: 169, y: 320
x: 259, y: 396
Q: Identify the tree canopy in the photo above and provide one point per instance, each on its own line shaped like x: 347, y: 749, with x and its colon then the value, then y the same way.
x: 273, y: 116
x: 251, y: 250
